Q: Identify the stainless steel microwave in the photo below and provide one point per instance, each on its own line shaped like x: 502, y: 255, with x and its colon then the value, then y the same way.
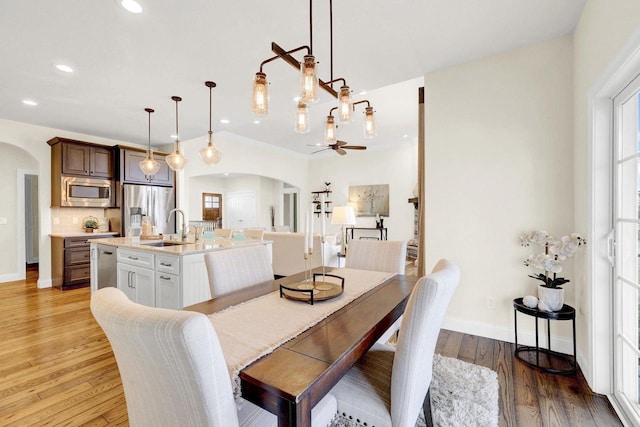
x: 86, y: 192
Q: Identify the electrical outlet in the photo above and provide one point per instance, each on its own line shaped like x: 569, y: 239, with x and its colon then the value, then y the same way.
x: 491, y: 303
x: 75, y: 220
x: 3, y: 221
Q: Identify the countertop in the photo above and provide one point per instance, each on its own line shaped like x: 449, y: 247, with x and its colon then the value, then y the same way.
x: 98, y: 234
x: 202, y: 246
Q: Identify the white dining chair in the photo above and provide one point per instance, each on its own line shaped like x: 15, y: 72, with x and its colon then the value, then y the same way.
x: 254, y: 233
x: 388, y: 385
x: 378, y: 255
x: 173, y: 370
x: 236, y: 268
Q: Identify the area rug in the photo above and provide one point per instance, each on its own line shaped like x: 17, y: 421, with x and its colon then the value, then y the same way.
x: 462, y: 395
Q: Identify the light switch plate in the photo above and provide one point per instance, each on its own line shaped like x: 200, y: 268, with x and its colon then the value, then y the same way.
x: 3, y: 221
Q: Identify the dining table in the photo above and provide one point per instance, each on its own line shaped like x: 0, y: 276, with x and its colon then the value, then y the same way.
x: 290, y: 380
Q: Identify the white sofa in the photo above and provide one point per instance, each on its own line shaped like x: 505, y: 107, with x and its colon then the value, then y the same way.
x: 288, y: 250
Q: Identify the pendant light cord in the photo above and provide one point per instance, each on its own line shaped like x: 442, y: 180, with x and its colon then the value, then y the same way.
x: 210, y: 107
x: 311, y: 27
x: 177, y: 133
x: 331, y: 39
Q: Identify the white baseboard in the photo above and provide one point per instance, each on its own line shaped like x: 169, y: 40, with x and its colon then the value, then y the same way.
x: 525, y: 337
x: 42, y: 284
x: 11, y: 277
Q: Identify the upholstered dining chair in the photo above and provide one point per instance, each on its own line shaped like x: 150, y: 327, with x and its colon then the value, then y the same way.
x: 173, y: 370
x: 237, y: 268
x: 378, y: 255
x: 223, y: 232
x: 254, y: 233
x: 387, y: 386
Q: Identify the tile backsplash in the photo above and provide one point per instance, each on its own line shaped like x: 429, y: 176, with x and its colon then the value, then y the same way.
x: 69, y: 220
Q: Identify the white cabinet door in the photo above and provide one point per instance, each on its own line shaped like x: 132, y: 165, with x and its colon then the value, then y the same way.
x: 137, y: 283
x: 195, y: 281
x: 168, y: 294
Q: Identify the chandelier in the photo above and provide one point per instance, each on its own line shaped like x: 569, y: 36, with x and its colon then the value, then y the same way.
x: 309, y: 88
x: 176, y: 159
x: 149, y: 165
x: 210, y: 154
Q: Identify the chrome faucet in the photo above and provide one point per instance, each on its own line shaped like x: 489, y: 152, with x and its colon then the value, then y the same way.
x: 183, y: 237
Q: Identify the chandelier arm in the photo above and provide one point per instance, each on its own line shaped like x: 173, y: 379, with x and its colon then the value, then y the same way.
x: 273, y: 58
x: 331, y: 111
x: 344, y: 82
x: 360, y: 102
x: 295, y: 64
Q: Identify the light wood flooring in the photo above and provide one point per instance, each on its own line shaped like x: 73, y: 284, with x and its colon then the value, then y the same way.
x: 57, y: 368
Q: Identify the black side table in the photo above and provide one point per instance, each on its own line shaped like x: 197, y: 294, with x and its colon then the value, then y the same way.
x: 565, y: 313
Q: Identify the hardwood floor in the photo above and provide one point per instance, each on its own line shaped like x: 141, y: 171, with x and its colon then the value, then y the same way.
x: 56, y: 368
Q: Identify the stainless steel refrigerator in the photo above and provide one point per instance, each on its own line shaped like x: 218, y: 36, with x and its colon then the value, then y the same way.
x: 154, y: 202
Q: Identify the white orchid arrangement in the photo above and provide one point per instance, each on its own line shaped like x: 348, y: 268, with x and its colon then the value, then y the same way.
x: 555, y: 251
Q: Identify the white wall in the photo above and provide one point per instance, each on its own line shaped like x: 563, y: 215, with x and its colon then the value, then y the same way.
x: 603, y: 34
x: 397, y: 167
x: 498, y: 162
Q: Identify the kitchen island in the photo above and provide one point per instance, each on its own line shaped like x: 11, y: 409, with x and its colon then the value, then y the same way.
x: 158, y: 273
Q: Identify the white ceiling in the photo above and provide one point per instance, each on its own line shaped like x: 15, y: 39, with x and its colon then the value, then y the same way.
x: 126, y: 62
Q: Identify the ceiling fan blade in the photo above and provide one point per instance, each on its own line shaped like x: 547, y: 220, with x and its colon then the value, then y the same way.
x: 354, y: 147
x: 319, y: 150
x: 340, y: 151
x: 340, y: 143
x: 316, y: 145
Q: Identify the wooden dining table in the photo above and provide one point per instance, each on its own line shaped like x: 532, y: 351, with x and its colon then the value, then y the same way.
x: 292, y: 379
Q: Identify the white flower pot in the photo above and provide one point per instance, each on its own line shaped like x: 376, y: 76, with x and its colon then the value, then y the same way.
x: 551, y: 298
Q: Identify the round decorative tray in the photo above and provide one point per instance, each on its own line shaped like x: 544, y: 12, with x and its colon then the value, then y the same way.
x: 313, y: 290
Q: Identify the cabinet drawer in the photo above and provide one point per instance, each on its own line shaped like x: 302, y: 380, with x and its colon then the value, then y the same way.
x: 74, y: 242
x: 139, y: 258
x: 77, y: 274
x: 76, y: 256
x: 168, y: 264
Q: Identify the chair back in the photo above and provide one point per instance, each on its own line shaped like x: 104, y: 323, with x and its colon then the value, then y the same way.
x: 171, y: 364
x: 412, y: 364
x: 237, y: 268
x: 223, y: 232
x: 254, y: 233
x: 377, y: 255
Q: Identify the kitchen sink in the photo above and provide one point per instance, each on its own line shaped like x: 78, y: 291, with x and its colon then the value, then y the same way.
x: 164, y: 243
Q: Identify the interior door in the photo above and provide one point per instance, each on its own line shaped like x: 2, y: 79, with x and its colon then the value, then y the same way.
x: 626, y: 278
x: 211, y: 206
x: 241, y: 209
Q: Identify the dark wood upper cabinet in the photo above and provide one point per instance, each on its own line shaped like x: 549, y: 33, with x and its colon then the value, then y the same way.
x: 132, y: 174
x: 84, y: 159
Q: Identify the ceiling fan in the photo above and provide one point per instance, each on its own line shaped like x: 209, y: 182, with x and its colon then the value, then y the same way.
x: 340, y: 146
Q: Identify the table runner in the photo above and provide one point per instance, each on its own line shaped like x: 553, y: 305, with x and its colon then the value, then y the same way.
x: 256, y: 327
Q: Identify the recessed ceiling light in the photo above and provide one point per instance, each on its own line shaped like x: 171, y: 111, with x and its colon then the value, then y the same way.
x: 296, y: 99
x: 405, y: 136
x: 64, y: 68
x: 225, y: 121
x: 131, y: 5
x: 226, y: 174
x: 29, y: 102
x: 174, y: 136
x: 364, y: 92
x: 256, y: 122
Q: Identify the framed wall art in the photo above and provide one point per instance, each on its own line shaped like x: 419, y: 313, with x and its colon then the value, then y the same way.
x: 370, y: 200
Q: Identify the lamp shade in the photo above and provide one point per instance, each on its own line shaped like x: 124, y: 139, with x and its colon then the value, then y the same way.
x: 343, y: 215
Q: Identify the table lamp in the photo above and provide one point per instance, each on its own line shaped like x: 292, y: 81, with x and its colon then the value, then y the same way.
x: 343, y: 215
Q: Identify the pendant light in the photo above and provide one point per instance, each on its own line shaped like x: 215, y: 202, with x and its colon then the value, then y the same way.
x: 176, y: 160
x: 369, y: 123
x: 210, y: 154
x: 345, y: 106
x: 260, y: 95
x: 302, y: 118
x: 309, y: 80
x: 330, y: 130
x: 149, y: 165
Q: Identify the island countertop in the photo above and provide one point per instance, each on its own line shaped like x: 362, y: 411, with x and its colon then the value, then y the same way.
x: 175, y: 247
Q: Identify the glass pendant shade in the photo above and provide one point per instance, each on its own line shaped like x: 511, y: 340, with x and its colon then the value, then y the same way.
x: 369, y: 123
x: 345, y: 106
x: 302, y: 118
x: 149, y: 165
x: 330, y: 130
x: 260, y: 95
x: 309, y: 80
x: 211, y: 154
x: 176, y: 160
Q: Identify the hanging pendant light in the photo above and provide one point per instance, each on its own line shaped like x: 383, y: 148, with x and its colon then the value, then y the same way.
x: 309, y: 80
x: 330, y: 130
x: 210, y: 154
x: 369, y: 123
x: 345, y: 106
x: 149, y: 165
x: 302, y: 118
x: 176, y: 160
x: 260, y: 95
